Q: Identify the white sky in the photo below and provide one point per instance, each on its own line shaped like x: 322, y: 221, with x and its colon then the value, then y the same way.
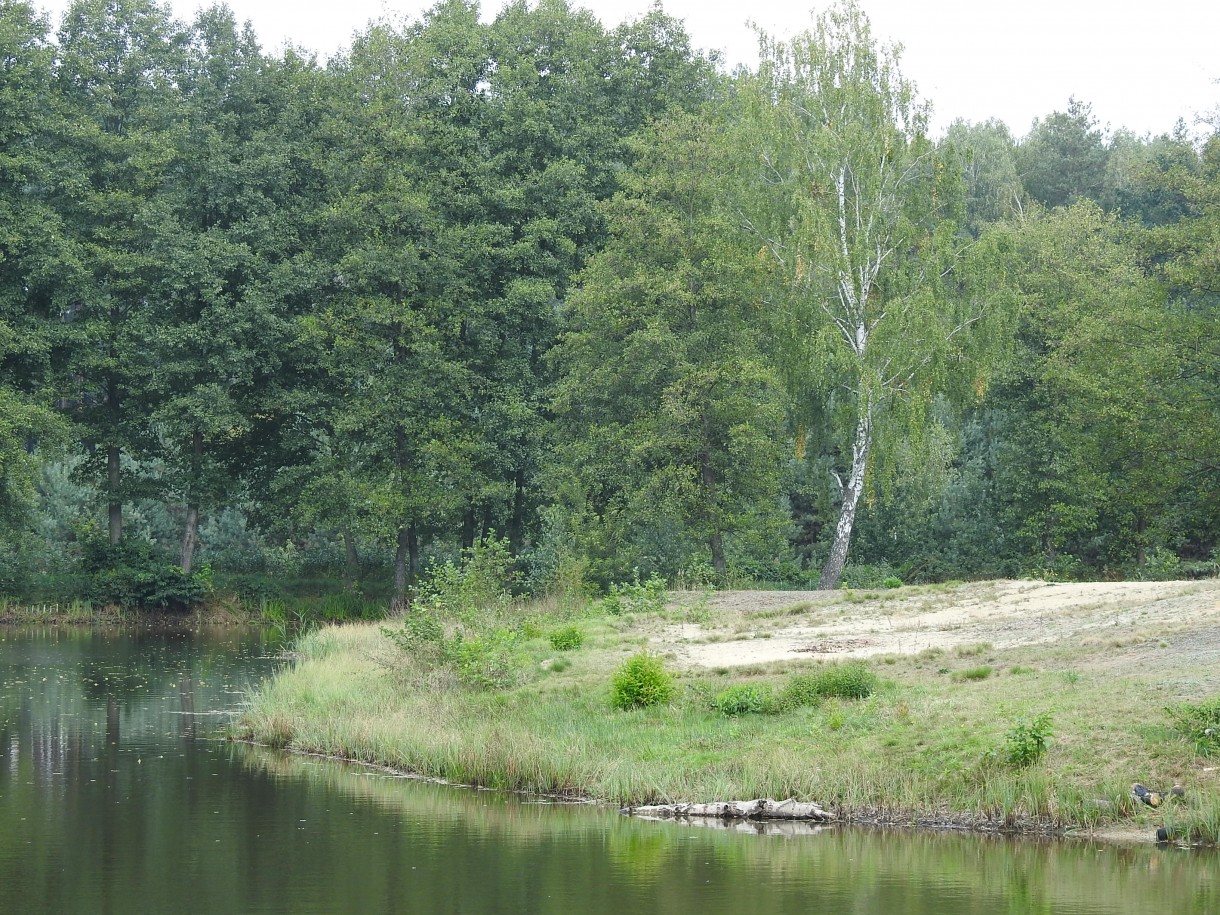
x: 1141, y: 65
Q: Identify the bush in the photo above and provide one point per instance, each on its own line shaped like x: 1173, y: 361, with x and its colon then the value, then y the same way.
x: 484, y: 661
x: 569, y: 638
x: 974, y: 673
x: 480, y: 584
x: 745, y: 699
x: 636, y: 596
x: 1198, y: 723
x: 851, y: 680
x: 892, y: 582
x: 1025, y: 744
x: 640, y: 682
x: 133, y: 574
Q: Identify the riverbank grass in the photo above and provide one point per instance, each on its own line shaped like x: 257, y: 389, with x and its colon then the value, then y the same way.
x: 1052, y: 738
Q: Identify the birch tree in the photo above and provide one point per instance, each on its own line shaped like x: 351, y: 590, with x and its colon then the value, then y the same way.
x: 852, y: 208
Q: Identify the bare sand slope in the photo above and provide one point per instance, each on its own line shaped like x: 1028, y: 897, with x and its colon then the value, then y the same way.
x: 1177, y: 619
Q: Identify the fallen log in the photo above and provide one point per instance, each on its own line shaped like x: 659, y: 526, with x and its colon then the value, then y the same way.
x: 761, y: 809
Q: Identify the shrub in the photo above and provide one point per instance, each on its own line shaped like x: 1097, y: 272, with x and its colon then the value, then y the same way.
x: 745, y: 699
x: 1025, y: 744
x: 974, y: 673
x: 1199, y: 723
x: 486, y: 660
x: 852, y: 680
x: 892, y: 582
x: 133, y: 574
x: 481, y: 583
x: 641, y: 681
x: 636, y: 596
x: 568, y: 638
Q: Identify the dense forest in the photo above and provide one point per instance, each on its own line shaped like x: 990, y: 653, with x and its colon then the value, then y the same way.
x: 581, y: 293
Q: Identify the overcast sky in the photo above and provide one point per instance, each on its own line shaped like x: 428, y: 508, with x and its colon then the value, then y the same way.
x: 1141, y: 65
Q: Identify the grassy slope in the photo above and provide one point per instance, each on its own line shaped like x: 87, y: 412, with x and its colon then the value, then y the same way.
x: 914, y: 750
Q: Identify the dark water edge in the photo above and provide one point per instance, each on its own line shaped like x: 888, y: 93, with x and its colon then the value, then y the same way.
x: 118, y: 795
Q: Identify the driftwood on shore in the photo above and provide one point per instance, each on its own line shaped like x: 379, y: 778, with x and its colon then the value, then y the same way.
x: 761, y: 809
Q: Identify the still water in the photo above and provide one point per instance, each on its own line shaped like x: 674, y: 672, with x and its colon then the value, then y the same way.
x: 117, y: 796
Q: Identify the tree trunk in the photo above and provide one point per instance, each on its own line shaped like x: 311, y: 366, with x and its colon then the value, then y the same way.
x: 833, y: 569
x: 402, y: 597
x: 469, y: 525
x: 353, y: 558
x: 715, y: 540
x: 115, y: 507
x: 412, y: 554
x: 191, y: 534
x: 516, y: 523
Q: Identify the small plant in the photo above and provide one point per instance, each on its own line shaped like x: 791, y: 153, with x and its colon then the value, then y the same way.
x: 853, y: 680
x: 974, y: 673
x: 640, y: 682
x: 1198, y: 723
x: 636, y: 596
x: 892, y: 582
x: 1025, y: 744
x: 745, y: 699
x: 568, y: 638
x: 559, y: 665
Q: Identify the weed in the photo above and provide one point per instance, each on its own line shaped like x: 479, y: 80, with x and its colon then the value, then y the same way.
x: 853, y: 680
x: 745, y: 699
x: 969, y: 651
x: 973, y: 673
x: 1025, y: 744
x: 567, y: 638
x: 641, y: 681
x: 636, y: 596
x: 1198, y: 723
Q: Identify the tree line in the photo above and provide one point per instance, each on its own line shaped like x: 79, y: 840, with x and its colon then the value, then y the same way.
x: 578, y: 288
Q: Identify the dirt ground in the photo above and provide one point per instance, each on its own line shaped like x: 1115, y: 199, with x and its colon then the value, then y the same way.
x: 1172, y: 622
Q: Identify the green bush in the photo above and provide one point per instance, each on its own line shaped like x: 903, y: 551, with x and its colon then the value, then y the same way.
x: 636, y: 596
x: 1199, y: 723
x: 486, y: 660
x: 134, y: 574
x: 641, y: 681
x: 1025, y: 744
x: 892, y: 582
x: 850, y: 680
x: 745, y: 699
x: 568, y: 638
x: 973, y: 673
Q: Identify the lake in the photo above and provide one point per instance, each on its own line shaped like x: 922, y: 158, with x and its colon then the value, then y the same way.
x: 118, y: 794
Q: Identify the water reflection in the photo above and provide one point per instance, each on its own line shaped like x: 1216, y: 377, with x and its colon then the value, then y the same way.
x: 115, y: 797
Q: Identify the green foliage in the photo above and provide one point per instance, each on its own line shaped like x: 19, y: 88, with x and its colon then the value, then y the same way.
x: 974, y: 673
x: 133, y: 574
x: 1198, y: 723
x: 566, y: 638
x: 847, y: 680
x: 745, y: 699
x: 479, y: 585
x: 1161, y: 564
x: 485, y: 660
x: 893, y: 581
x: 641, y: 681
x: 1025, y: 744
x: 636, y: 596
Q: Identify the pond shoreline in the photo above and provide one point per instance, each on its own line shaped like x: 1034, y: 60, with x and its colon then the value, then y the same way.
x: 944, y: 741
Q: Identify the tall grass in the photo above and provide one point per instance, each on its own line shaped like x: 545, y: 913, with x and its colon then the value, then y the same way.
x: 918, y: 747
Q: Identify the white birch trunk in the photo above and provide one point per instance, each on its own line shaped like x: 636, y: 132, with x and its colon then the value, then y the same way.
x: 833, y: 570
